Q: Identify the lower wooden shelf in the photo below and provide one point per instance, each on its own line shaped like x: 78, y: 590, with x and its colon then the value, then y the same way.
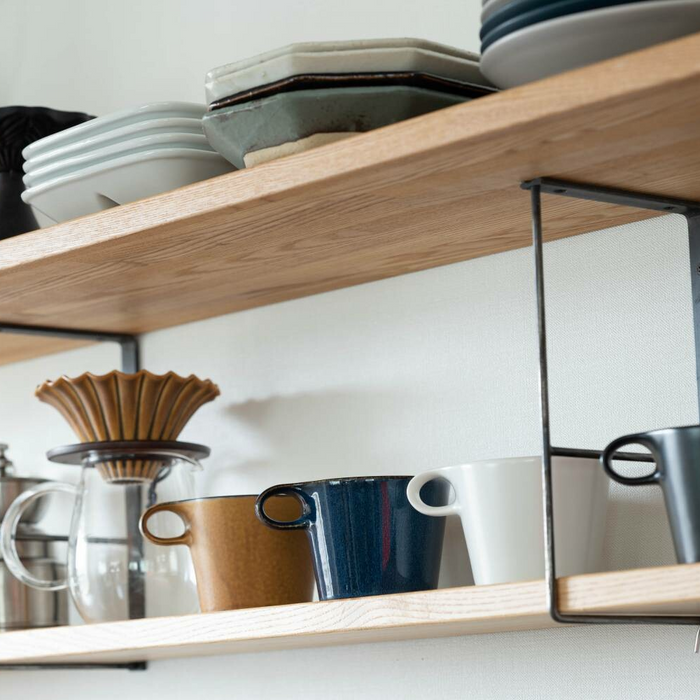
x: 441, y: 613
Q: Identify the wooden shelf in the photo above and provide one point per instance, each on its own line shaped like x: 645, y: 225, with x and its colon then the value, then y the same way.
x: 426, y: 192
x: 442, y: 613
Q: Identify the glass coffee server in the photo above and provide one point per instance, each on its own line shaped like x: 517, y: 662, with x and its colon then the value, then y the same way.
x: 112, y: 573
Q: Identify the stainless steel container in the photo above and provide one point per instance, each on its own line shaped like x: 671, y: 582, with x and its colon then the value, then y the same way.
x: 22, y: 607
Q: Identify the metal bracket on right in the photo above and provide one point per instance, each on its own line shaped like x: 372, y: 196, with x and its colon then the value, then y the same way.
x: 691, y: 211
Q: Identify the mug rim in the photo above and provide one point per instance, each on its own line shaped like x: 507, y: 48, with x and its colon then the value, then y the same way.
x: 530, y: 459
x: 208, y: 498
x: 344, y: 479
x: 656, y: 431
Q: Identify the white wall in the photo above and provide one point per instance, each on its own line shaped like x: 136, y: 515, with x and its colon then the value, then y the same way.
x: 425, y: 370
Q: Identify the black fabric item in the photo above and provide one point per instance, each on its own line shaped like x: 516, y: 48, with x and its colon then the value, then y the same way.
x: 20, y: 126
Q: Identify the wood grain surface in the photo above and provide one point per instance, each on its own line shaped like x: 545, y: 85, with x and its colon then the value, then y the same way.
x: 446, y: 612
x: 426, y: 192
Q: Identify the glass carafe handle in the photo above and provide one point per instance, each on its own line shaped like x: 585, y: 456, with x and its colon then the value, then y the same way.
x: 8, y: 532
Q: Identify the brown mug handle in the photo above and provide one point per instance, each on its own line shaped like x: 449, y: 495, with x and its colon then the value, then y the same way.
x: 184, y: 538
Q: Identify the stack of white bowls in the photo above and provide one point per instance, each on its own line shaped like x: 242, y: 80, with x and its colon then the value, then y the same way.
x: 306, y: 95
x: 525, y: 40
x: 119, y: 158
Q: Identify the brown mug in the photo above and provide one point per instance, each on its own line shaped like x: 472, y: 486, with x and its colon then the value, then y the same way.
x: 240, y: 563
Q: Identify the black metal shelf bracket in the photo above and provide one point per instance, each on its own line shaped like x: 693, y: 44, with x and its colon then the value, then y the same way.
x: 135, y: 666
x: 691, y: 211
x: 129, y: 343
x: 130, y: 362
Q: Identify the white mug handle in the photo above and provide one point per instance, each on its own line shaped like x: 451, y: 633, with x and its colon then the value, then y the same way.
x: 419, y: 481
x: 8, y: 532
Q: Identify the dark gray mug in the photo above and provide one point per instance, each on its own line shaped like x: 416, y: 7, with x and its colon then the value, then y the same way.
x: 676, y: 452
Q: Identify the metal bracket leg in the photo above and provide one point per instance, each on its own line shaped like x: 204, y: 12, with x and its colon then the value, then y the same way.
x: 691, y: 211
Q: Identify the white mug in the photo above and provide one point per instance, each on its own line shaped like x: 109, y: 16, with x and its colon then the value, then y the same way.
x: 500, y: 504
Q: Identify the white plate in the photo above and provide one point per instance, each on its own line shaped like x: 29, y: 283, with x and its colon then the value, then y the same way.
x: 67, y: 166
x: 152, y: 127
x: 123, y: 180
x: 116, y: 120
x: 381, y: 55
x: 565, y: 43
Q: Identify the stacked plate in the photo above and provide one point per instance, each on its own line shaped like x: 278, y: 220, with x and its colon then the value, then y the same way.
x: 305, y: 95
x: 119, y: 158
x: 525, y: 40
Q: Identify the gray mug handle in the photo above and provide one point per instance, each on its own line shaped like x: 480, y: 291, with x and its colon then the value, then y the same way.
x: 638, y: 439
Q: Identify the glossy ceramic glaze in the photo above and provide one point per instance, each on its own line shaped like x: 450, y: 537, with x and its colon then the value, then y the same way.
x: 127, y: 406
x: 115, y: 120
x: 500, y: 504
x: 524, y: 13
x: 677, y: 455
x: 363, y: 56
x: 289, y: 117
x: 335, y: 81
x: 73, y: 164
x: 565, y: 43
x: 365, y: 536
x: 150, y: 127
x: 123, y: 180
x: 239, y: 563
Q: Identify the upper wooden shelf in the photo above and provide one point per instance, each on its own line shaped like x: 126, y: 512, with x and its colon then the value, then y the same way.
x: 430, y: 191
x: 442, y: 613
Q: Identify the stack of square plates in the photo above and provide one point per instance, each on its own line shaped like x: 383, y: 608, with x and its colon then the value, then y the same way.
x: 306, y: 95
x: 525, y: 40
x: 119, y: 158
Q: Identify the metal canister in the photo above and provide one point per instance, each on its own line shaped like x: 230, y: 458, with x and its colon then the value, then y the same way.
x: 22, y: 607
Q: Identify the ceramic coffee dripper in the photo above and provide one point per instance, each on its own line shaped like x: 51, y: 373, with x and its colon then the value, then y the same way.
x: 676, y: 452
x: 239, y: 563
x: 126, y: 407
x: 500, y: 504
x: 365, y: 537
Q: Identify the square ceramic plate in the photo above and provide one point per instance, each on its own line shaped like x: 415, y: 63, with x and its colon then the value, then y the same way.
x: 66, y: 166
x: 290, y: 117
x: 150, y: 127
x: 116, y: 120
x: 378, y: 56
x: 345, y: 80
x: 123, y: 180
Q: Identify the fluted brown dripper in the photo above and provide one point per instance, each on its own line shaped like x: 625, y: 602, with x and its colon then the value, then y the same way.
x: 120, y: 406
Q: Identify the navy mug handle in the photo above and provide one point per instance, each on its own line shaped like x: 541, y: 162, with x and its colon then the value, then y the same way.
x: 609, y: 454
x: 308, y: 508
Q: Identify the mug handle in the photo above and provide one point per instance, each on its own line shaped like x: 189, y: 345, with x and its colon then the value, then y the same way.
x: 184, y: 538
x: 8, y: 532
x: 419, y: 481
x: 308, y: 508
x: 608, y: 455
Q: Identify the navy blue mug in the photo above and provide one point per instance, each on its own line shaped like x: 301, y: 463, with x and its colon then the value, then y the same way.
x: 365, y: 536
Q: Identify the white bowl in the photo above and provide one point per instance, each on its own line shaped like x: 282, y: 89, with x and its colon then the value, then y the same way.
x: 151, y: 127
x: 372, y: 56
x: 102, y: 125
x: 565, y: 43
x: 67, y: 166
x: 123, y: 180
